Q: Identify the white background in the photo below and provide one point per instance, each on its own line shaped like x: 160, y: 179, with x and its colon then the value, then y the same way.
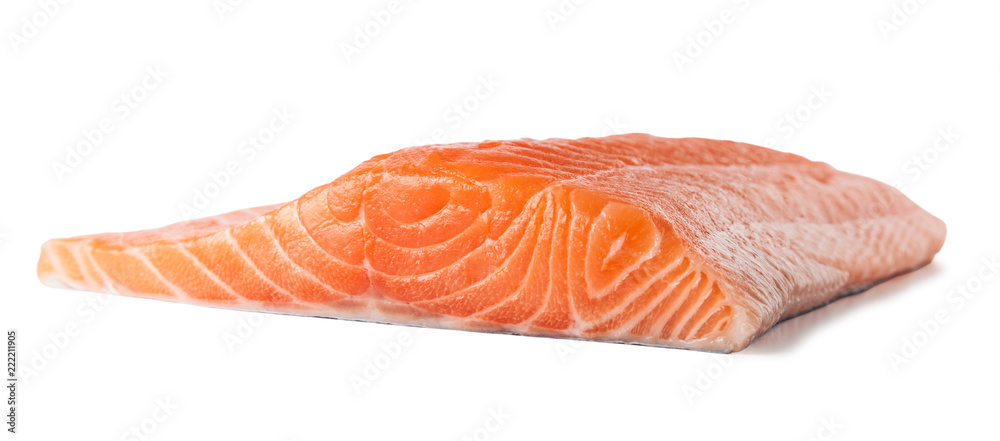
x: 604, y: 66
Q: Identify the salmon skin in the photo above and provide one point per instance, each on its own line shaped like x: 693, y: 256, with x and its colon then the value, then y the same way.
x: 687, y: 243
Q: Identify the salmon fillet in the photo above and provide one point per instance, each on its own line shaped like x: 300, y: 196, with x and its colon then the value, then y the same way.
x: 688, y: 243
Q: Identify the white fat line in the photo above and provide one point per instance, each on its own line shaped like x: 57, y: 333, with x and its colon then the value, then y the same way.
x: 661, y: 296
x: 56, y: 264
x: 638, y: 292
x: 109, y: 283
x: 312, y: 239
x: 179, y: 293
x: 531, y: 266
x: 594, y: 294
x: 78, y: 258
x: 702, y: 288
x: 515, y: 224
x: 579, y: 325
x: 269, y: 230
x: 657, y: 328
x: 483, y: 216
x: 704, y: 320
x: 239, y: 251
x: 556, y: 213
x: 211, y: 274
x: 707, y: 308
x: 447, y: 209
x: 362, y: 218
x: 697, y: 291
x: 335, y: 258
x: 503, y: 265
x: 587, y: 246
x: 361, y: 202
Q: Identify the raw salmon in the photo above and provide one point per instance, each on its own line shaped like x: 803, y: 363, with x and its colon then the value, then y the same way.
x: 689, y: 243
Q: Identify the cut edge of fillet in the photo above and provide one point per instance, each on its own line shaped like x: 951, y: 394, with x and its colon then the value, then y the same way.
x: 682, y: 303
